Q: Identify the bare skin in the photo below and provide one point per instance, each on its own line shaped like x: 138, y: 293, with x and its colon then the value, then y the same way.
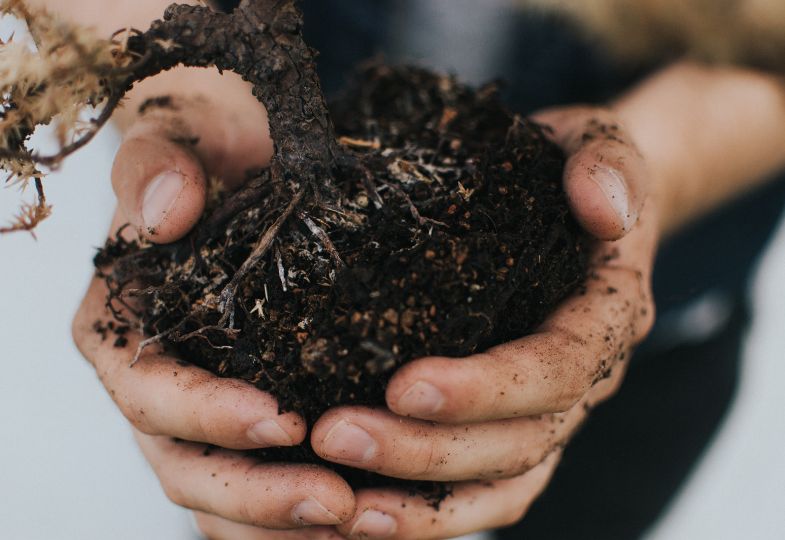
x: 657, y: 158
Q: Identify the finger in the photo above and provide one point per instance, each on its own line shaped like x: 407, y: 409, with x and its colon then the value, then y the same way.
x: 548, y: 371
x: 243, y: 490
x: 218, y: 528
x: 160, y: 186
x: 379, y: 441
x: 162, y: 395
x: 475, y: 506
x: 161, y: 169
x: 605, y: 177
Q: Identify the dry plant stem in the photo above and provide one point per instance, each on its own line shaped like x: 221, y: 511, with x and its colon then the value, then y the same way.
x: 54, y: 160
x: 324, y: 238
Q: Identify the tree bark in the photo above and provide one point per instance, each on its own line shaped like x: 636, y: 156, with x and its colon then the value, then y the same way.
x: 262, y: 42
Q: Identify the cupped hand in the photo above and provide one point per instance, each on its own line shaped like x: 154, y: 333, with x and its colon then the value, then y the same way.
x: 178, y: 411
x: 494, y: 422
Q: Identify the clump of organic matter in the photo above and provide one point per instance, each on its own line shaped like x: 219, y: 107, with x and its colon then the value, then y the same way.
x: 419, y: 218
x: 449, y: 232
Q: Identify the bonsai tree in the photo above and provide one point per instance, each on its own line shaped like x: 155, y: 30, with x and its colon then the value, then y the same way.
x: 414, y: 216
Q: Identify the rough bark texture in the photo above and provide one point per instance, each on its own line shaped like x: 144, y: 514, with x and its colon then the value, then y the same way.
x: 261, y: 41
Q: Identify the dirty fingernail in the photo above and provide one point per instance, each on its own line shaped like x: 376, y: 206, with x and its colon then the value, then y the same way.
x: 311, y: 512
x: 374, y: 524
x: 269, y: 433
x: 421, y: 398
x: 160, y: 196
x: 347, y: 442
x: 614, y: 187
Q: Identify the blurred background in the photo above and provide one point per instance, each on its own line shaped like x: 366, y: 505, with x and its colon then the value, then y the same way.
x: 68, y: 464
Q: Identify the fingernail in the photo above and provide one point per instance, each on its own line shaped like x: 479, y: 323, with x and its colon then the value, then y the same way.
x: 347, y: 442
x: 160, y: 196
x: 374, y: 524
x: 311, y: 512
x: 269, y: 433
x: 614, y: 187
x: 421, y: 398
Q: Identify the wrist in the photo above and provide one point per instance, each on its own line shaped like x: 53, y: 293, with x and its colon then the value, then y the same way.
x: 706, y: 133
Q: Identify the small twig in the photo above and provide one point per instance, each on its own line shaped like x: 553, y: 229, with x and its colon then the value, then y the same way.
x: 351, y: 161
x: 360, y: 143
x: 229, y: 333
x: 376, y: 349
x: 324, y: 238
x: 370, y: 185
x: 226, y: 299
x: 422, y: 220
x: 135, y: 293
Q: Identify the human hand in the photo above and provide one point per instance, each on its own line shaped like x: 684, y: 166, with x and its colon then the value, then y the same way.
x: 160, y: 177
x: 494, y: 422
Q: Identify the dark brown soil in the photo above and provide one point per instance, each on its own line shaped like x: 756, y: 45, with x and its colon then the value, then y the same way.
x: 447, y: 232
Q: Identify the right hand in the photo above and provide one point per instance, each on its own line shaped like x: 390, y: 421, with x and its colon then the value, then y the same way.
x: 176, y: 409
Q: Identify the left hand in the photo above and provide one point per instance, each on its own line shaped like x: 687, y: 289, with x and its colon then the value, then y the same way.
x: 494, y: 422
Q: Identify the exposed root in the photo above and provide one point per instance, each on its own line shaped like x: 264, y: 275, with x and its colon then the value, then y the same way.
x: 146, y: 343
x: 370, y: 186
x: 324, y: 238
x: 230, y: 334
x: 251, y: 193
x: 226, y: 300
x: 421, y: 220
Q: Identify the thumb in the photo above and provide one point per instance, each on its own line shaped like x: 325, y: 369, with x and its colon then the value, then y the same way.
x: 605, y: 177
x: 216, y: 129
x: 160, y: 185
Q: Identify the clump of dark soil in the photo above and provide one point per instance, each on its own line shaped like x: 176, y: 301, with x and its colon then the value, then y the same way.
x: 448, y: 233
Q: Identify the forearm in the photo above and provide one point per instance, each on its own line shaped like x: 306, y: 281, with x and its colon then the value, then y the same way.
x: 707, y: 134
x: 108, y: 16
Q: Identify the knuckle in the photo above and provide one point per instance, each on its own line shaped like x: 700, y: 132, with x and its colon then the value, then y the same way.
x: 571, y: 393
x: 207, y: 526
x: 512, y: 516
x: 613, y: 388
x: 513, y: 464
x: 647, y: 317
x: 135, y: 415
x: 173, y: 491
x: 607, y: 387
x: 248, y: 513
x: 201, y: 428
